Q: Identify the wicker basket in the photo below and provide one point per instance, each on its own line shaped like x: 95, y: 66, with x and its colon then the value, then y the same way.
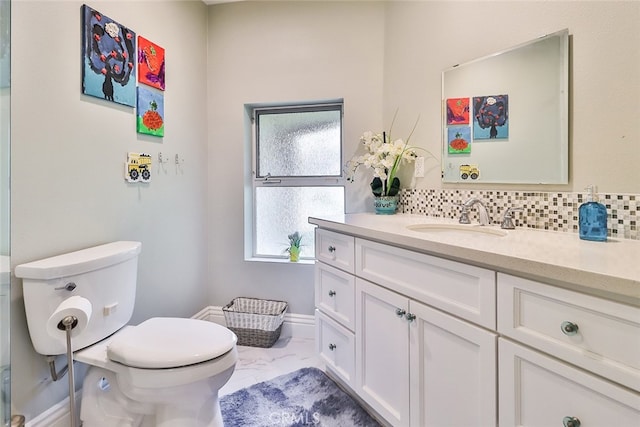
x: 256, y: 322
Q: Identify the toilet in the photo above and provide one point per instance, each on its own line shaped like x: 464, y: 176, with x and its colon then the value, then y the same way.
x: 163, y: 372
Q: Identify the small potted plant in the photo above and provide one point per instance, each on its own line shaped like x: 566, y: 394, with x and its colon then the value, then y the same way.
x: 295, y: 241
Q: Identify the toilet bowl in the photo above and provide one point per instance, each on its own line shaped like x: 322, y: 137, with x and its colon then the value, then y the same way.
x: 163, y: 372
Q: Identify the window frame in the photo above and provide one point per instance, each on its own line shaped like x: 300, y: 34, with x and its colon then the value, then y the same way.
x: 256, y: 181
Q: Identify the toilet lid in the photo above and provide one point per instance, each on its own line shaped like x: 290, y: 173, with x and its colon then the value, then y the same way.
x: 167, y: 342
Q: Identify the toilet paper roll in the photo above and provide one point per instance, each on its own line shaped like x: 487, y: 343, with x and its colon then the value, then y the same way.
x: 75, y: 306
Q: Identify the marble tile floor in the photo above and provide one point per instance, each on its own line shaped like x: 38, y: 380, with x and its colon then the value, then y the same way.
x: 256, y: 364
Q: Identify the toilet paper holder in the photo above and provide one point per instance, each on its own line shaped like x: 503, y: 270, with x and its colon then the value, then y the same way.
x: 66, y: 324
x: 69, y: 322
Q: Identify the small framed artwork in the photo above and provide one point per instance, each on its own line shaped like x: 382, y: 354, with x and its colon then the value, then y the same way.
x: 108, y: 58
x: 150, y: 111
x: 150, y: 64
x: 491, y: 117
x: 457, y: 111
x: 459, y: 139
x: 138, y: 167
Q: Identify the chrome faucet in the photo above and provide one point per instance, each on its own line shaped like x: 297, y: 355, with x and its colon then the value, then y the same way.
x: 507, y: 220
x: 482, y: 212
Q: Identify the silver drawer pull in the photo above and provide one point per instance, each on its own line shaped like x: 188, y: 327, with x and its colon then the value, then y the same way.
x: 569, y: 328
x: 570, y: 422
x: 332, y: 249
x: 332, y: 293
x: 400, y: 312
x: 410, y: 317
x: 332, y: 347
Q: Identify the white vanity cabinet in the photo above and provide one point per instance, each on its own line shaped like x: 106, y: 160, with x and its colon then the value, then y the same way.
x: 335, y: 303
x: 441, y: 342
x: 378, y: 331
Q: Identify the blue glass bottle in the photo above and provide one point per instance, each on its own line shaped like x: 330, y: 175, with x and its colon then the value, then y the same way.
x: 592, y: 217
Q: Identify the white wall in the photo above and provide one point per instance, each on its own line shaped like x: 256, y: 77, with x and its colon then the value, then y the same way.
x: 425, y: 37
x: 262, y: 52
x: 68, y: 154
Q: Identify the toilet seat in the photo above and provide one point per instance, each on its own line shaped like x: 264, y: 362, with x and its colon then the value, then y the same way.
x: 167, y: 342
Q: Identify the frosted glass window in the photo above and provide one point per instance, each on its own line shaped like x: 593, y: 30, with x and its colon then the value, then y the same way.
x: 297, y: 173
x: 299, y: 143
x: 283, y: 210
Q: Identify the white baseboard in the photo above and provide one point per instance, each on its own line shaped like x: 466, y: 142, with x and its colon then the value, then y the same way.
x: 57, y: 415
x: 294, y: 325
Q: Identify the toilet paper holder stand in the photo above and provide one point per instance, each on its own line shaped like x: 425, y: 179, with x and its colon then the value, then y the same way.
x: 66, y: 324
x: 51, y: 360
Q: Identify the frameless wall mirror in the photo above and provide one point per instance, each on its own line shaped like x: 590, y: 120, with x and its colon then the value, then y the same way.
x: 505, y: 116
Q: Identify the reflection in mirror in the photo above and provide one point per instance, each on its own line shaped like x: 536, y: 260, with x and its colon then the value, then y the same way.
x: 505, y: 117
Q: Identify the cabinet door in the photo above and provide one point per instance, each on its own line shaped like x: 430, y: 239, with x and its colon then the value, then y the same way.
x: 382, y: 351
x: 536, y: 390
x: 453, y: 371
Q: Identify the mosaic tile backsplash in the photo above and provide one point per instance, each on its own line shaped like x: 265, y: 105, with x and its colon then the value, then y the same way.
x: 541, y: 210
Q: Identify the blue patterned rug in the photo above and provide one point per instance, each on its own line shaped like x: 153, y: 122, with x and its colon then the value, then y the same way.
x: 307, y: 397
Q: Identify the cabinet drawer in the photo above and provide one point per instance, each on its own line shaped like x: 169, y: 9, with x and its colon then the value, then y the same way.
x: 335, y: 294
x: 537, y: 390
x: 606, y: 339
x: 463, y: 290
x: 336, y: 347
x: 335, y: 249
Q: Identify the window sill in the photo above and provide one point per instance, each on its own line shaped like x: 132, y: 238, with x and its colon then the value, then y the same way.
x: 281, y: 261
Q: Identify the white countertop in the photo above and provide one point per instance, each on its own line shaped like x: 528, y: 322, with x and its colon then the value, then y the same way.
x: 610, y: 269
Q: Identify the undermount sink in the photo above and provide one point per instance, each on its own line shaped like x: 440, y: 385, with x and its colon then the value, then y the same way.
x: 458, y: 229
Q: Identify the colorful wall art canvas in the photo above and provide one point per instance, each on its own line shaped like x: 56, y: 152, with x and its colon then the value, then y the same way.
x: 137, y: 168
x: 459, y: 139
x: 150, y: 109
x: 108, y: 58
x: 150, y: 63
x: 491, y: 117
x: 458, y: 111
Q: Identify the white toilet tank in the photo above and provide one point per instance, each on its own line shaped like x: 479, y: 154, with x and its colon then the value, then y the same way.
x: 103, y: 277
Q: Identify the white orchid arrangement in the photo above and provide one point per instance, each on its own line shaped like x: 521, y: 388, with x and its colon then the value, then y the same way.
x: 384, y: 156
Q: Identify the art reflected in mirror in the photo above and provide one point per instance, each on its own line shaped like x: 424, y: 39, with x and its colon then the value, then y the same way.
x: 528, y: 83
x: 458, y: 111
x: 459, y: 139
x: 469, y: 172
x: 491, y: 117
